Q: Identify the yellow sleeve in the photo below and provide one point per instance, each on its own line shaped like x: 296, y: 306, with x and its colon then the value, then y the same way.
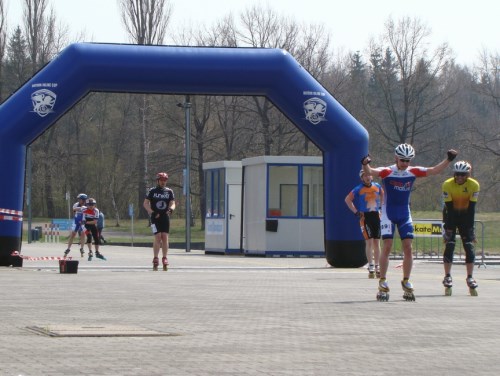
x: 447, y: 185
x: 474, y: 188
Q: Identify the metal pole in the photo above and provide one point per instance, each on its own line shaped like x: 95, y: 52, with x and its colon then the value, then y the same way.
x: 187, y: 170
x: 131, y: 214
x: 187, y: 107
x: 68, y: 197
x: 132, y: 228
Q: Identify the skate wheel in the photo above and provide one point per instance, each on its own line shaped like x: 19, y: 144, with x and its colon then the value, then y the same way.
x: 409, y: 297
x: 447, y: 291
x: 382, y: 297
x: 371, y: 275
x: 473, y: 292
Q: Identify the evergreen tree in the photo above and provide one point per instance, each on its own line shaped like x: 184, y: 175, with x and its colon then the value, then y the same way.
x: 17, y: 63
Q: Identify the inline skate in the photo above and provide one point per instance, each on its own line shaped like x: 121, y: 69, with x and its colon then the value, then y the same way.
x: 155, y: 264
x: 164, y: 261
x: 99, y: 255
x: 448, y: 284
x: 408, y: 294
x: 371, y: 271
x: 472, y: 284
x: 383, y: 290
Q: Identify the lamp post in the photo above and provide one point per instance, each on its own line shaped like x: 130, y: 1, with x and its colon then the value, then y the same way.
x: 187, y: 171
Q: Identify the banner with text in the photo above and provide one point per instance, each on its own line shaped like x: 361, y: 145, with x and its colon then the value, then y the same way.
x: 431, y: 228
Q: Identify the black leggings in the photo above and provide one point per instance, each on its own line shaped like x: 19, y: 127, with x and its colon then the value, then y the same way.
x: 95, y: 234
x: 467, y: 236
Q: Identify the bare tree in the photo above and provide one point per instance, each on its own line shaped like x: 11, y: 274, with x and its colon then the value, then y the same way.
x: 3, y: 41
x: 491, y: 72
x: 264, y: 27
x: 488, y: 87
x: 406, y: 83
x: 41, y: 39
x: 206, y: 131
x: 146, y: 23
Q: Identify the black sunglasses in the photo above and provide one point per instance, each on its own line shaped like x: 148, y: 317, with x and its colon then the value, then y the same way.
x: 405, y: 160
x: 460, y: 174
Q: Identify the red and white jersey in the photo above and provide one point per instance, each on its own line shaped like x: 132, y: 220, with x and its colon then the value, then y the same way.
x: 397, y: 186
x: 90, y: 214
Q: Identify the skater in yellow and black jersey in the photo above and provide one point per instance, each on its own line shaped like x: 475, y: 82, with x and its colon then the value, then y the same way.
x: 460, y: 195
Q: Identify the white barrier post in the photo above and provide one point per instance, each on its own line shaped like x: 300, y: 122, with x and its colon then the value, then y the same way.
x: 51, y: 233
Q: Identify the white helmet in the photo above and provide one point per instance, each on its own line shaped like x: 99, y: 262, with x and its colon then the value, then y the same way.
x: 404, y: 151
x: 462, y: 166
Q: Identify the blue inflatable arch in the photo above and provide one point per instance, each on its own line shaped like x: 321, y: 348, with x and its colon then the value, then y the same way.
x: 84, y: 67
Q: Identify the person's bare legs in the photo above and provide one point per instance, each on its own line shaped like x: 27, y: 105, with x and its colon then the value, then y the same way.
x: 157, y: 244
x: 376, y: 251
x: 407, y: 257
x: 369, y: 250
x: 70, y: 240
x: 164, y: 244
x: 470, y: 268
x: 164, y: 250
x: 70, y: 243
x: 384, y: 258
x: 447, y: 268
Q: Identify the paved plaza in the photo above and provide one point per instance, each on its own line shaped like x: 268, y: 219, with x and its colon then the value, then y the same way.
x: 234, y: 315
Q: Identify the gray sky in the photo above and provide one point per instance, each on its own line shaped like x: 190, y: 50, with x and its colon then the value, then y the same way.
x: 467, y: 29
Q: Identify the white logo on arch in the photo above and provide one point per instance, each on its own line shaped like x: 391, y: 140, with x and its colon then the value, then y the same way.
x: 43, y: 101
x: 315, y: 110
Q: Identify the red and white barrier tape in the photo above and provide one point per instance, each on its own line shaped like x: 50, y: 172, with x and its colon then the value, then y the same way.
x: 10, y: 218
x: 44, y: 258
x: 10, y: 211
x: 41, y: 258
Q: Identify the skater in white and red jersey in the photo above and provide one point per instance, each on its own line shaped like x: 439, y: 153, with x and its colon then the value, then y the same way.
x: 397, y: 182
x: 91, y: 216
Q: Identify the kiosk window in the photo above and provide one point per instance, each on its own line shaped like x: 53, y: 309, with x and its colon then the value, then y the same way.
x: 312, y: 178
x: 215, y: 193
x: 282, y: 190
x: 295, y: 191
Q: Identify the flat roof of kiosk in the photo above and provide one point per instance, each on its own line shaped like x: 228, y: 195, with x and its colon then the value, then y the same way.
x: 221, y: 164
x: 285, y: 159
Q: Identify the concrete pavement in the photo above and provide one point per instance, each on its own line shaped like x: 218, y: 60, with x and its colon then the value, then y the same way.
x: 232, y: 315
